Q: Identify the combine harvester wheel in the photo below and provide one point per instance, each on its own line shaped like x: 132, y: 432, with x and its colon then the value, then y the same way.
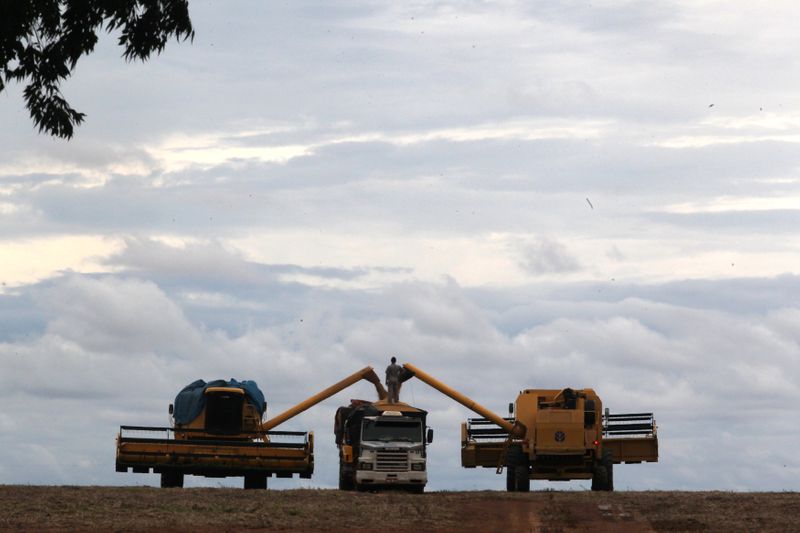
x: 255, y: 481
x: 171, y: 479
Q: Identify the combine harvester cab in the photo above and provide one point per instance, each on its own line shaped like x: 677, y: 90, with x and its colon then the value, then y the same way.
x: 556, y: 435
x: 382, y: 445
x: 217, y: 432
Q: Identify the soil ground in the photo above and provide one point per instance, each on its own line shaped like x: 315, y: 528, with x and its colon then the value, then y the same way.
x: 30, y: 508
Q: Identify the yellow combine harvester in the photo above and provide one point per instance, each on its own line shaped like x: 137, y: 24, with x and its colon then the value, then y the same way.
x: 218, y: 431
x: 555, y: 435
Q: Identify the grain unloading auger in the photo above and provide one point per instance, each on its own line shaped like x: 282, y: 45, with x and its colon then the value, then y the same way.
x: 218, y: 431
x: 366, y: 373
x: 555, y: 435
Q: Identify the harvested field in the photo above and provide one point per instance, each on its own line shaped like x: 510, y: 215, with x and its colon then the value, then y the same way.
x: 28, y: 508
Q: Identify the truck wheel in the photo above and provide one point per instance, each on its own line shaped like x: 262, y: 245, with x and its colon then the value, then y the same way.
x: 255, y: 481
x: 345, y: 480
x: 171, y: 479
x: 522, y: 475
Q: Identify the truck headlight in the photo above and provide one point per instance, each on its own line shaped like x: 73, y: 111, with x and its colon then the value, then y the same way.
x: 365, y: 466
x: 417, y: 466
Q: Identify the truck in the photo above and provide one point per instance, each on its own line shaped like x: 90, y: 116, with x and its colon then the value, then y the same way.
x: 382, y: 445
x: 552, y: 434
x: 218, y: 430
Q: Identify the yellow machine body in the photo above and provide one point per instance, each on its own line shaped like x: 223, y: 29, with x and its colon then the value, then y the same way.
x: 555, y: 434
x: 225, y: 439
x: 565, y: 439
x: 228, y: 438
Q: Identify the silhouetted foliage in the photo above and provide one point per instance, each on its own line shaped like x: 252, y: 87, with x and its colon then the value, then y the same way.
x: 42, y: 40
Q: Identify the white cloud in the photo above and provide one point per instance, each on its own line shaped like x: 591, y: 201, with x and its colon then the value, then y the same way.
x: 123, y: 316
x: 723, y: 204
x: 122, y: 348
x: 27, y: 261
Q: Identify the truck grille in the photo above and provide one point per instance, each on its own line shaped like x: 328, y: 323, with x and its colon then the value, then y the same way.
x: 392, y: 462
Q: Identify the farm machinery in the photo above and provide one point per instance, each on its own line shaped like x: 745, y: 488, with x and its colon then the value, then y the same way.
x: 554, y: 435
x: 218, y: 431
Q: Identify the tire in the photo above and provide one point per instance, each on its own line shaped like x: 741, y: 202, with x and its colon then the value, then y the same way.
x: 171, y: 479
x: 608, y: 463
x: 522, y: 476
x: 511, y: 480
x: 255, y: 481
x: 599, y: 478
x: 418, y: 489
x: 516, y: 460
x: 345, y: 480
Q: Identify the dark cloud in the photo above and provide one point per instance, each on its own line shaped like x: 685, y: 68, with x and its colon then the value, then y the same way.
x: 19, y: 317
x: 548, y: 257
x: 204, y: 264
x: 494, y: 186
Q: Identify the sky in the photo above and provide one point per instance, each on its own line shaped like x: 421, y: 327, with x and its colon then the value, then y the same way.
x: 509, y: 195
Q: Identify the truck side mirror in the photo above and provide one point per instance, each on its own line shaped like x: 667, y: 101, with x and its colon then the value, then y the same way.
x: 171, y: 408
x: 430, y: 435
x: 511, y: 408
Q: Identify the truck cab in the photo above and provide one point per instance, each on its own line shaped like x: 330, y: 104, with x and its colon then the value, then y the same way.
x: 392, y: 451
x: 382, y: 445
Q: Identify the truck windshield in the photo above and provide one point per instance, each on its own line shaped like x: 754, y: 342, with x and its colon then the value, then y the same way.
x: 384, y: 430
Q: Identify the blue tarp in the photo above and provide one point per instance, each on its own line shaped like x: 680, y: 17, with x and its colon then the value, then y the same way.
x: 190, y: 401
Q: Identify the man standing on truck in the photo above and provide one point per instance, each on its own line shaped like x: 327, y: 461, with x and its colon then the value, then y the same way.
x: 393, y: 380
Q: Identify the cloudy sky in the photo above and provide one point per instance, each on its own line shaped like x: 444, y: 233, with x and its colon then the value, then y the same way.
x: 508, y: 194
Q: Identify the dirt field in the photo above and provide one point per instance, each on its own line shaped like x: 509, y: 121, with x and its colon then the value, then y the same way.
x: 26, y: 508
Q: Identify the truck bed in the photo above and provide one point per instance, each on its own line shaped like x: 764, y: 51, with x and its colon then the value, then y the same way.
x: 283, y: 453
